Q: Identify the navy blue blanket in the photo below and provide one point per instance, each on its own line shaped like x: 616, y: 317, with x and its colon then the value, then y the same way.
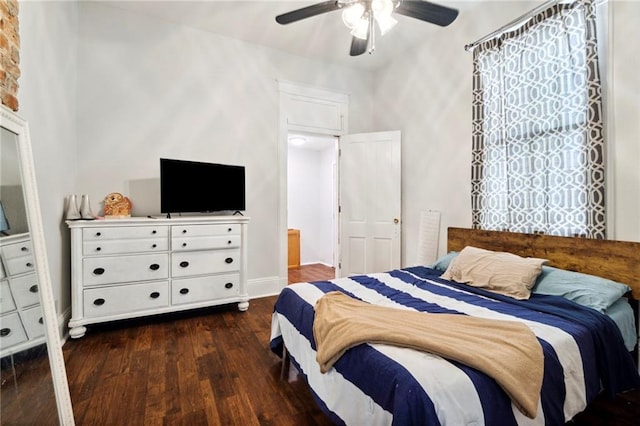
x: 395, y: 388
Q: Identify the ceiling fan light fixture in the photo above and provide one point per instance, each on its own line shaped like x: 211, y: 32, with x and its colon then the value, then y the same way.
x: 385, y: 23
x: 382, y: 7
x: 352, y: 15
x: 382, y: 10
x: 361, y: 29
x: 361, y: 16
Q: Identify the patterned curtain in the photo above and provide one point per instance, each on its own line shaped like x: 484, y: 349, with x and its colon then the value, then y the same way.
x: 538, y: 144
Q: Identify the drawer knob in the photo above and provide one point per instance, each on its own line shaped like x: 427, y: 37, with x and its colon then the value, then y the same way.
x: 229, y: 242
x: 33, y: 288
x: 5, y: 332
x: 24, y: 248
x: 98, y: 248
x: 154, y: 232
x: 184, y: 244
x: 29, y: 265
x: 228, y: 285
x: 228, y: 229
x: 154, y: 245
x: 154, y: 266
x: 154, y: 295
x: 98, y: 234
x: 184, y: 290
x: 40, y: 321
x: 229, y: 260
x: 98, y: 302
x: 184, y: 264
x: 184, y: 231
x: 98, y: 271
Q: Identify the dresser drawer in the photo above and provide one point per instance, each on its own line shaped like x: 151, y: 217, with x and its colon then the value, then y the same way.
x: 102, y: 247
x: 205, y: 243
x: 7, y: 304
x: 204, y: 230
x: 14, y: 250
x: 121, y: 269
x: 20, y: 265
x: 204, y: 262
x: 32, y: 321
x: 124, y: 232
x: 191, y: 290
x: 25, y: 290
x: 11, y: 330
x: 103, y: 301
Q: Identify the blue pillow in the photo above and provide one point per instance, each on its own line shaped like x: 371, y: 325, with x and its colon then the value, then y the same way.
x: 443, y: 263
x: 587, y: 290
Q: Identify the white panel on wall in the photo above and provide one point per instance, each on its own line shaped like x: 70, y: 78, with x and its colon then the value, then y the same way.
x: 314, y: 113
x: 428, y: 237
x: 315, y: 110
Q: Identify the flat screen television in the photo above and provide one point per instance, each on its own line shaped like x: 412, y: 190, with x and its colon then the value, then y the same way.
x: 196, y: 187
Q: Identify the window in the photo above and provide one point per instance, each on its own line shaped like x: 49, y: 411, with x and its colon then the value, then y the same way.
x: 538, y: 145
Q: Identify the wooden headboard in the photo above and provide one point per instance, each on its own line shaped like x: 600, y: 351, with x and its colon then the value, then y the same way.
x: 616, y: 260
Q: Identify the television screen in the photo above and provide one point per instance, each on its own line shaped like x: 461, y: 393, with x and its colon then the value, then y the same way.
x: 191, y: 186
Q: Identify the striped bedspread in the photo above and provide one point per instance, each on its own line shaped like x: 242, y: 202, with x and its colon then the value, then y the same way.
x: 377, y: 384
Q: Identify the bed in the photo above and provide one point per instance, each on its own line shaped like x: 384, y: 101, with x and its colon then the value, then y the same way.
x: 584, y: 350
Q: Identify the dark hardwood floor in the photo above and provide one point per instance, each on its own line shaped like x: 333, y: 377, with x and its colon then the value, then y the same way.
x: 213, y: 366
x: 27, y: 396
x: 315, y: 272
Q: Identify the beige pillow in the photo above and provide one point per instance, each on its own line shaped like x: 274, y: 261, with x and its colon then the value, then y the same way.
x: 500, y: 272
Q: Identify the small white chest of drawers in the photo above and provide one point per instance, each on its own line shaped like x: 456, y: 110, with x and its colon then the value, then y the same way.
x: 21, y: 325
x: 126, y: 268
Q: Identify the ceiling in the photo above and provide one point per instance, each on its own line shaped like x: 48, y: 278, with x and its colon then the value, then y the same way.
x: 321, y: 37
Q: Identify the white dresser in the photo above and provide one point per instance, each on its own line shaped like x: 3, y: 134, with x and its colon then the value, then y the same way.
x: 21, y: 325
x: 125, y: 268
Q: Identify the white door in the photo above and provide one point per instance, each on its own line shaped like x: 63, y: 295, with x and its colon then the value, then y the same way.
x: 370, y: 203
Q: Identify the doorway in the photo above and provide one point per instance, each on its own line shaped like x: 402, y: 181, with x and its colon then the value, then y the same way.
x: 312, y: 202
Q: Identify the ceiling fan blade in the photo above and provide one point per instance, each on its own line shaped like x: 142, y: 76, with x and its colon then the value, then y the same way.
x: 358, y: 46
x: 307, y: 12
x: 426, y: 11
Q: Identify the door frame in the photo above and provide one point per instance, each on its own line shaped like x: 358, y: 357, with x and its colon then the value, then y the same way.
x: 286, y: 91
x: 333, y: 145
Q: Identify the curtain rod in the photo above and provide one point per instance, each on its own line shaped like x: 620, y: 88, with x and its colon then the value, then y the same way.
x: 515, y: 23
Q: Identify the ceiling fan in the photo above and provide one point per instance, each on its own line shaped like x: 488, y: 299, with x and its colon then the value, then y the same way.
x: 361, y: 15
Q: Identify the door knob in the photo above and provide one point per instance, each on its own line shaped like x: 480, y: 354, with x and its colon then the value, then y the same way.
x: 396, y: 220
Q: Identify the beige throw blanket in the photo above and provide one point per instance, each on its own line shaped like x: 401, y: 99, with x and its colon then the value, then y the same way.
x: 507, y: 351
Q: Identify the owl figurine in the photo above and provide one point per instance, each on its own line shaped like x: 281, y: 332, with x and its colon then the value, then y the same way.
x: 117, y: 205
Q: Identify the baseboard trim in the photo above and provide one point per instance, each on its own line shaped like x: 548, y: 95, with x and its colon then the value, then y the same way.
x: 317, y: 263
x: 263, y: 287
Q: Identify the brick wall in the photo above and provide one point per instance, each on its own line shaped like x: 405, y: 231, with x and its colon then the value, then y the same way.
x: 9, y: 53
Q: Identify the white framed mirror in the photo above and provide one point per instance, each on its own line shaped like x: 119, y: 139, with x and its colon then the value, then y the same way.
x: 28, y: 317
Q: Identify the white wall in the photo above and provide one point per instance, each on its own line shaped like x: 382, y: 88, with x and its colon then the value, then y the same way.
x: 625, y: 63
x: 431, y: 103
x: 107, y: 92
x: 311, y: 204
x: 149, y: 89
x: 47, y: 95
